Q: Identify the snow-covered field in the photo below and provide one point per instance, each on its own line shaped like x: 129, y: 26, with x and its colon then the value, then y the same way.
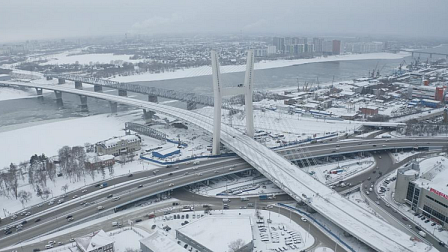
x: 83, y: 59
x: 206, y: 70
x: 293, y: 127
x: 11, y: 94
x: 349, y: 168
x: 399, y: 156
x: 20, y: 144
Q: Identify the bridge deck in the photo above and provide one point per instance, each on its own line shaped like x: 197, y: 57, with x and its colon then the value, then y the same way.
x: 353, y: 219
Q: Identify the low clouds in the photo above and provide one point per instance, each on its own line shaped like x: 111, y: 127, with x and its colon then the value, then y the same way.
x: 158, y: 24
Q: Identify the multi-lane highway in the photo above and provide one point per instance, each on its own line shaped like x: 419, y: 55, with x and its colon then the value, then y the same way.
x: 52, y: 219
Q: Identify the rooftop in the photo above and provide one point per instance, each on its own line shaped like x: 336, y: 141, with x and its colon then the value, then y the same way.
x: 158, y: 242
x: 226, y: 229
x: 93, y: 241
x: 434, y: 174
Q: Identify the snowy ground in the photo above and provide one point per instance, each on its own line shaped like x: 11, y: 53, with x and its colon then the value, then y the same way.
x: 20, y: 144
x: 237, y: 186
x: 272, y: 229
x: 350, y: 167
x: 12, y: 94
x: 206, y: 70
x: 85, y: 59
x: 292, y: 127
x: 397, y: 157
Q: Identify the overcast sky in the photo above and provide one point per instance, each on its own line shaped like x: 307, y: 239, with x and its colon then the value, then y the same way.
x: 47, y: 19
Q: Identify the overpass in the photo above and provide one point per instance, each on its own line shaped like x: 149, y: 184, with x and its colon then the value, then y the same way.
x: 123, y: 88
x: 350, y: 217
x: 420, y: 52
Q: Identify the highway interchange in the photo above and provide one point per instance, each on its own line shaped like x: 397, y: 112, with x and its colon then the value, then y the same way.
x: 53, y: 220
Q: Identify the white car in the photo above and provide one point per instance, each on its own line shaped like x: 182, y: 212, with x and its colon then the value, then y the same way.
x: 159, y: 180
x: 76, y: 196
x: 171, y: 184
x: 84, y: 191
x: 304, y: 219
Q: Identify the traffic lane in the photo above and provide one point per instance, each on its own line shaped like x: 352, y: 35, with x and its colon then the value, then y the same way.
x: 149, y: 175
x: 403, y: 219
x: 55, y: 223
x: 347, y: 146
x: 112, y: 182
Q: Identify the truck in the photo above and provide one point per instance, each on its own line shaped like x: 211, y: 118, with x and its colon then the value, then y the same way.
x: 103, y: 185
x: 100, y: 208
x: 422, y: 234
x: 225, y: 200
x: 263, y: 197
x: 244, y: 199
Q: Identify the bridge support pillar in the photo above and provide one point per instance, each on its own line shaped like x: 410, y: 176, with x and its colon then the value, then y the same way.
x: 122, y: 92
x: 59, y: 101
x: 207, y: 182
x: 61, y: 80
x: 430, y: 55
x: 191, y: 105
x: 78, y: 84
x: 39, y: 91
x: 147, y: 115
x: 84, y: 107
x: 152, y: 98
x: 98, y: 88
x: 412, y: 54
x: 49, y: 78
x: 113, y: 107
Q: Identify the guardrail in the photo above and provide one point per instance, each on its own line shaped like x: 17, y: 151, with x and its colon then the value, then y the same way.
x: 333, y: 236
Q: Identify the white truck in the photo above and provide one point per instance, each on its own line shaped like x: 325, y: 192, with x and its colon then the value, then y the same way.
x: 100, y: 208
x: 422, y: 234
x: 226, y: 200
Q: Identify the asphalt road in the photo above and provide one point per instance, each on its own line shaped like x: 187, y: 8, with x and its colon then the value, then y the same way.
x: 386, y: 164
x: 53, y: 219
x: 313, y: 150
x: 187, y: 198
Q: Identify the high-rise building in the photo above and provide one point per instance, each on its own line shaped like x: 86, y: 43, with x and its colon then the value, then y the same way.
x: 272, y: 50
x: 327, y: 47
x: 336, y: 47
x: 279, y: 43
x: 318, y: 44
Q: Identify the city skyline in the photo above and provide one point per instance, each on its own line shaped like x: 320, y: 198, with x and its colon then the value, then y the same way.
x: 53, y: 20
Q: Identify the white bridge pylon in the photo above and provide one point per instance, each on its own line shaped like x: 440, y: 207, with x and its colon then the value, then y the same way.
x: 219, y: 91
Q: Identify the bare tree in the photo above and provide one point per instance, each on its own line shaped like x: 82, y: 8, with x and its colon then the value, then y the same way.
x: 24, y: 197
x: 45, y: 194
x: 64, y: 188
x: 236, y: 245
x: 12, y: 180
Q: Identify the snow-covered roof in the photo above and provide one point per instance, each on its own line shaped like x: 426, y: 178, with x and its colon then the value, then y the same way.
x: 434, y: 174
x: 93, y: 241
x: 167, y: 150
x: 94, y: 158
x: 113, y: 141
x: 158, y: 242
x: 226, y: 229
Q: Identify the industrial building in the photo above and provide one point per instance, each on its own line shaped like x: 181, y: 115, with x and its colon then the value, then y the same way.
x: 119, y: 145
x: 424, y: 188
x: 166, y: 152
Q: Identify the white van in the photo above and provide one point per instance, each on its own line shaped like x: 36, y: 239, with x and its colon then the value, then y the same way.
x: 114, y: 224
x: 422, y: 234
x: 49, y: 246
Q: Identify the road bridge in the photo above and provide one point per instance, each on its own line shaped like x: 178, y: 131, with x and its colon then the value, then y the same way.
x: 353, y: 219
x: 420, y: 52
